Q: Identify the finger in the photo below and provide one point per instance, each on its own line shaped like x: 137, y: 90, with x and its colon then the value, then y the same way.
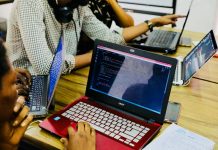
x: 19, y: 104
x: 27, y: 121
x: 21, y: 116
x: 19, y: 132
x: 93, y: 132
x: 178, y: 16
x: 65, y: 142
x: 71, y: 132
x: 80, y: 126
x: 87, y: 127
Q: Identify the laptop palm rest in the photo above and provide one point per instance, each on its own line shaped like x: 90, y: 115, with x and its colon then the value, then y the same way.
x: 57, y: 124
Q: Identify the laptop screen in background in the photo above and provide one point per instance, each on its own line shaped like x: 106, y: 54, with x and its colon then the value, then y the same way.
x: 136, y: 80
x: 199, y: 56
x: 55, y: 70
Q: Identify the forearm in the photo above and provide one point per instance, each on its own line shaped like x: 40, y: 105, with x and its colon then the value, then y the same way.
x: 134, y: 31
x: 83, y: 60
x: 123, y: 18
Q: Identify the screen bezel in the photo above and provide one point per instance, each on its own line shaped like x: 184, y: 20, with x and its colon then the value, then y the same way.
x: 215, y: 47
x: 146, y: 114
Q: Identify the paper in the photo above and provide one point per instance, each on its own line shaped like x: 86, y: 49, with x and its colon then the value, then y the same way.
x: 178, y: 138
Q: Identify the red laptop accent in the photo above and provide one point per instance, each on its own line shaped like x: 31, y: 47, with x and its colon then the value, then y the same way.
x: 126, y: 97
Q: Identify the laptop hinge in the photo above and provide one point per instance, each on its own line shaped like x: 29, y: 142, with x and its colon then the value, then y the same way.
x: 150, y: 121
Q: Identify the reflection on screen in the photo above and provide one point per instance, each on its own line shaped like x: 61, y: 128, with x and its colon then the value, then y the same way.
x: 55, y: 70
x: 199, y: 56
x: 136, y: 80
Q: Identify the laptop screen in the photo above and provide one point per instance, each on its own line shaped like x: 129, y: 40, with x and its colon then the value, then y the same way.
x: 55, y: 70
x: 129, y: 78
x: 200, y: 54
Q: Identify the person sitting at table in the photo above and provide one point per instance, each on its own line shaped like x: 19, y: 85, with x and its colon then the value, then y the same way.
x: 14, y: 116
x: 35, y: 27
x: 107, y: 11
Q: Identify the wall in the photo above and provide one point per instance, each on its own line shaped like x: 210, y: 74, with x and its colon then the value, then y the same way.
x: 203, y: 15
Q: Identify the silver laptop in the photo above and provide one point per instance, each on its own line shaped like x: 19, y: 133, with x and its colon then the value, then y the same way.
x: 194, y: 60
x: 43, y: 86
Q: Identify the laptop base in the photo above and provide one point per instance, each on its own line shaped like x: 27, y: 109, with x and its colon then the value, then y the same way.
x: 58, y: 124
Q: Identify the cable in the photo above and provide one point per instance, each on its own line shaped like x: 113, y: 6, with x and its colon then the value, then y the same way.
x: 31, y: 124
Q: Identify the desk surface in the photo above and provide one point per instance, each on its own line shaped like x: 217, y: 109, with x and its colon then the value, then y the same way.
x: 198, y: 112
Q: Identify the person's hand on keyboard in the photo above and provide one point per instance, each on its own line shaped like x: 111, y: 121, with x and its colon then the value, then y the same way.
x: 83, y: 139
x: 23, y: 82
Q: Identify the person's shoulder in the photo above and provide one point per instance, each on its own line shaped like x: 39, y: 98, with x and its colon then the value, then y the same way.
x: 30, y: 2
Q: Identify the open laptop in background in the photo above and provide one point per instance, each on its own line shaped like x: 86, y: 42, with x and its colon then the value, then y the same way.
x: 162, y: 40
x: 43, y: 86
x: 126, y: 97
x: 195, y: 59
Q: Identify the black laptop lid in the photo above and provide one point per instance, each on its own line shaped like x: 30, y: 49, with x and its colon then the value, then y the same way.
x: 186, y: 18
x: 132, y: 80
x: 199, y: 55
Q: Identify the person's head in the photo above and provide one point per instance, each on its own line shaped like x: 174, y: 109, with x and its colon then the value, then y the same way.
x: 8, y: 92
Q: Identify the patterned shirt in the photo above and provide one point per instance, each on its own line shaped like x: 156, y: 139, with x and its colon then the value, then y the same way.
x: 33, y: 35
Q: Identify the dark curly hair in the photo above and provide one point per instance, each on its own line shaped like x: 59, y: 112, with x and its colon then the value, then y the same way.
x: 4, y: 67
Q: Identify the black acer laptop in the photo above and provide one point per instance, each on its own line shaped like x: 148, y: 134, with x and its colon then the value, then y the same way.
x: 162, y: 40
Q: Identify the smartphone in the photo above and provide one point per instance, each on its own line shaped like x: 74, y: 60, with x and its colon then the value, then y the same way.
x: 172, y: 113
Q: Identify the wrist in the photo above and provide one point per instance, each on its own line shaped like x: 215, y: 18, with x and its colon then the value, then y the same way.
x: 150, y: 25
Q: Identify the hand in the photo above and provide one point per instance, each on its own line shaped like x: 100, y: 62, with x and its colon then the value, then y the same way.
x: 83, y: 139
x: 110, y: 1
x: 23, y: 82
x: 12, y: 131
x: 23, y: 76
x: 165, y: 20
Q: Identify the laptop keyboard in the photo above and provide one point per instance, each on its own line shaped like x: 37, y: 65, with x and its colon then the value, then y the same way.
x: 35, y: 94
x: 107, y: 123
x: 161, y: 38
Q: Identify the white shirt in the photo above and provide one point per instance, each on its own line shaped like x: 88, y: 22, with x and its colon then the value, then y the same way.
x: 33, y: 35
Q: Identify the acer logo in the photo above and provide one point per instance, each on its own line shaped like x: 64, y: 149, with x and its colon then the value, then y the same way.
x: 121, y: 104
x: 132, y: 50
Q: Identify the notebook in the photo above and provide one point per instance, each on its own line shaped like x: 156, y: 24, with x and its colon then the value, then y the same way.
x: 43, y: 86
x: 121, y: 100
x: 162, y: 40
x: 195, y: 59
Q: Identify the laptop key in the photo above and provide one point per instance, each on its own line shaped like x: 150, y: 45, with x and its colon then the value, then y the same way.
x: 133, y: 132
x: 126, y: 136
x: 102, y: 130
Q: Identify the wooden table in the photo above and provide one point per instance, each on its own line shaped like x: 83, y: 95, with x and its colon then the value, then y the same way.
x: 199, y: 109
